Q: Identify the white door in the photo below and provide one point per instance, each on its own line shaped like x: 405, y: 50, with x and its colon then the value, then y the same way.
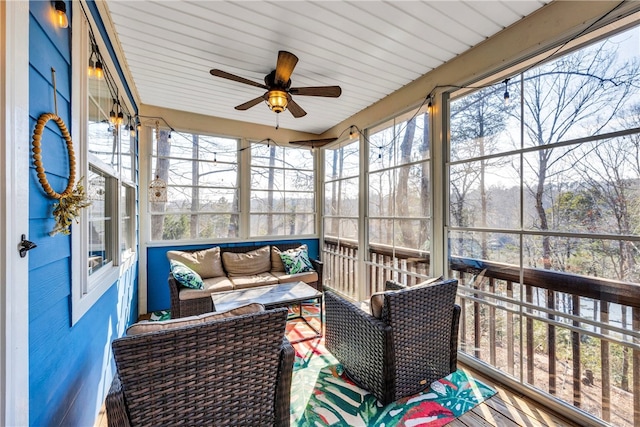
x: 14, y: 212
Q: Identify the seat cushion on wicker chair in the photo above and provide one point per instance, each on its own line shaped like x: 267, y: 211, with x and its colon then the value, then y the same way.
x: 163, y: 325
x: 307, y: 277
x: 247, y: 263
x: 211, y: 285
x: 254, y: 280
x: 377, y: 299
x: 207, y: 262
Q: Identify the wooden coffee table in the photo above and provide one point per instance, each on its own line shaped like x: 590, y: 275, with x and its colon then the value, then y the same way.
x: 273, y: 296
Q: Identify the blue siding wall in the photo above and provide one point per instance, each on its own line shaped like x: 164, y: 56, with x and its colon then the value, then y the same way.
x: 70, y: 368
x: 158, y: 268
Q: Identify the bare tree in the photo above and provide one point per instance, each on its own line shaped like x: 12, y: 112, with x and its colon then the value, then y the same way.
x: 401, y: 193
x: 162, y: 172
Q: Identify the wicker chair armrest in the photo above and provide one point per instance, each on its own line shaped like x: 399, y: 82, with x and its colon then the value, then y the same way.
x: 318, y: 266
x: 454, y: 337
x: 283, y: 391
x: 116, y: 407
x: 392, y: 285
x: 361, y: 343
x: 174, y: 291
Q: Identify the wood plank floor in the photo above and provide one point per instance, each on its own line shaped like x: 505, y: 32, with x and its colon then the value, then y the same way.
x: 506, y: 409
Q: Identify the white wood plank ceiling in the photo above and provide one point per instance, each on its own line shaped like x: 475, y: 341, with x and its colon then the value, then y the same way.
x: 369, y: 48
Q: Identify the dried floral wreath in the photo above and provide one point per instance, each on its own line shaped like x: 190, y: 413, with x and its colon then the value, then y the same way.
x: 71, y: 200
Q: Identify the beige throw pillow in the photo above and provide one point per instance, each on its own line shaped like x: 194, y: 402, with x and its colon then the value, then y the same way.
x: 247, y: 263
x: 376, y: 303
x: 150, y: 326
x: 377, y: 299
x: 206, y: 263
x: 276, y: 261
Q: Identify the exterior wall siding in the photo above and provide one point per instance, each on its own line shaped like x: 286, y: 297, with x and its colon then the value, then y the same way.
x: 70, y: 368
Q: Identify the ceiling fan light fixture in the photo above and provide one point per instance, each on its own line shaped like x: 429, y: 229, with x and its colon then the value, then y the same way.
x: 277, y: 100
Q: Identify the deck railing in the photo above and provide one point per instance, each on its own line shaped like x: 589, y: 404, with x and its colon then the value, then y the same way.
x: 574, y: 338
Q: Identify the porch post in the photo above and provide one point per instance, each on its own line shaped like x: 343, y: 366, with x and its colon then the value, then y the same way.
x: 14, y: 213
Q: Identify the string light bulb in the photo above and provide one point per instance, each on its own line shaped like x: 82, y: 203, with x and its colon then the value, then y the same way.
x: 506, y: 92
x: 92, y: 65
x: 60, y: 8
x: 112, y: 113
x: 430, y: 105
x: 98, y: 70
x: 353, y: 131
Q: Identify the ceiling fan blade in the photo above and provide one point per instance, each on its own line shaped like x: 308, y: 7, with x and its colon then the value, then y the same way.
x: 295, y: 109
x: 225, y: 75
x: 250, y: 104
x: 328, y: 91
x: 314, y: 142
x: 284, y: 68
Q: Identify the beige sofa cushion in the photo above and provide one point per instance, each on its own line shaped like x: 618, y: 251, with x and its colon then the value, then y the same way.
x: 276, y: 261
x: 247, y: 263
x: 377, y: 299
x: 211, y: 285
x: 206, y: 263
x: 260, y: 279
x: 307, y: 277
x: 163, y: 325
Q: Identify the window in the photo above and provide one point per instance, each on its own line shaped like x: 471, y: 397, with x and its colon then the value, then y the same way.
x: 399, y: 205
x: 282, y: 191
x: 201, y: 174
x: 104, y: 239
x: 341, y: 215
x: 543, y: 200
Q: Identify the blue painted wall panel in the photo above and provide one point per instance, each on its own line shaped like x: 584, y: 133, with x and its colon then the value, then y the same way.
x: 158, y: 268
x: 70, y: 368
x: 49, y: 285
x: 41, y: 206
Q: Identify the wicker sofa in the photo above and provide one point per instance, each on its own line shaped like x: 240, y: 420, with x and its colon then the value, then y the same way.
x: 412, y: 344
x: 189, y: 302
x: 204, y: 371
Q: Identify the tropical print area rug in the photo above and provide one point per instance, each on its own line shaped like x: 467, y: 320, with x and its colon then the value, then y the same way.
x: 322, y: 395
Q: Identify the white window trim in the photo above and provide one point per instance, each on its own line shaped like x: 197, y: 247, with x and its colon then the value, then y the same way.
x: 14, y: 217
x: 85, y: 290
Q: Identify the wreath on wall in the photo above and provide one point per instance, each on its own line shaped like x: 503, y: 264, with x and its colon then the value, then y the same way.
x: 73, y: 198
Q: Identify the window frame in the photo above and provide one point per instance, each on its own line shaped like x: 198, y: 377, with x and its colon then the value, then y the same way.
x: 152, y: 135
x: 87, y: 289
x: 285, y: 191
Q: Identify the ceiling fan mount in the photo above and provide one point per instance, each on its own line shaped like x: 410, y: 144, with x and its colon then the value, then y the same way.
x: 278, y: 85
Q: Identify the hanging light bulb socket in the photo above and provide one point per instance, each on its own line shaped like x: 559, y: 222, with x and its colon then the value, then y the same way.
x: 99, y: 71
x: 60, y: 10
x: 112, y: 113
x: 507, y: 100
x: 430, y: 105
x: 353, y: 131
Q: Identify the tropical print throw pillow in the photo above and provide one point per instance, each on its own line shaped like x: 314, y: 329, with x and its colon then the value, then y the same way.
x: 296, y: 260
x: 186, y: 276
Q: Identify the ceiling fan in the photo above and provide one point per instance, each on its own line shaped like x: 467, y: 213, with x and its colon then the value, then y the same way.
x: 278, y: 86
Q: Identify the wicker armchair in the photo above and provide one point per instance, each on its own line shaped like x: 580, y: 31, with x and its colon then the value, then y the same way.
x: 413, y: 343
x: 227, y: 372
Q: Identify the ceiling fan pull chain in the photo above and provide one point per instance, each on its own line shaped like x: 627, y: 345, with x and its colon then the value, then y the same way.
x: 277, y: 121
